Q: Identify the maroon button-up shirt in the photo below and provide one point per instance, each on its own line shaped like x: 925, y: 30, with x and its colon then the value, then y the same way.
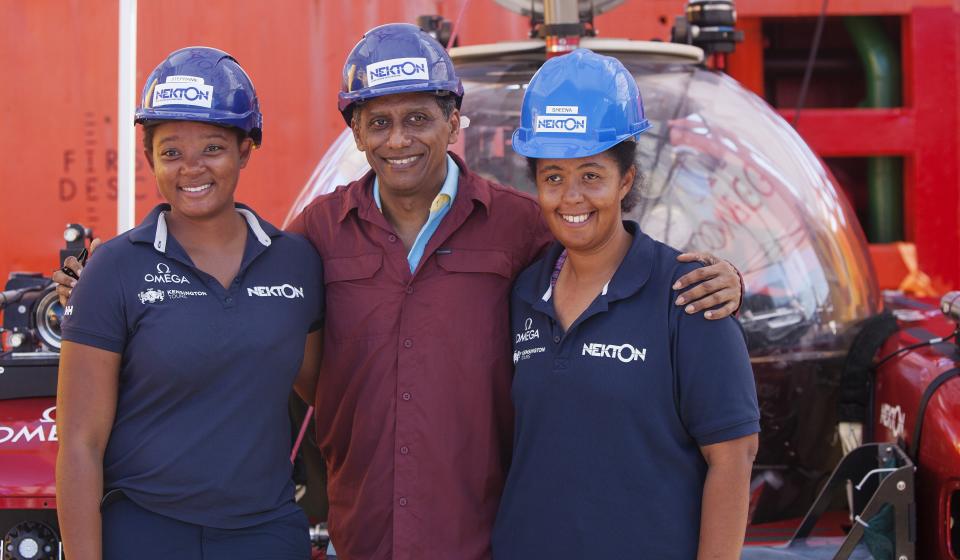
x: 413, y: 406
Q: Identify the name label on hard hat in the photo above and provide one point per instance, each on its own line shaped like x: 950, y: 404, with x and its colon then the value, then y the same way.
x: 184, y: 80
x: 397, y: 69
x: 562, y: 109
x: 574, y: 124
x: 183, y: 90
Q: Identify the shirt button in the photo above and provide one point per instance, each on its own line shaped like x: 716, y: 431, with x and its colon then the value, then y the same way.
x: 407, y: 343
x: 229, y: 300
x: 556, y: 339
x: 392, y: 238
x: 409, y: 290
x: 405, y: 396
x: 403, y: 501
x: 236, y: 280
x: 404, y: 450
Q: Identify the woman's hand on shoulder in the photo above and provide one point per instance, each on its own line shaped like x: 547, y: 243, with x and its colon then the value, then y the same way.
x: 717, y: 287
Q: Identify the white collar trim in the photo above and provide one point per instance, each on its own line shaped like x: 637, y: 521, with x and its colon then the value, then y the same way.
x: 160, y: 238
x: 548, y: 294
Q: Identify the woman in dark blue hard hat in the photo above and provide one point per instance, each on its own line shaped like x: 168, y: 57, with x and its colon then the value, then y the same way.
x: 636, y: 422
x: 181, y: 346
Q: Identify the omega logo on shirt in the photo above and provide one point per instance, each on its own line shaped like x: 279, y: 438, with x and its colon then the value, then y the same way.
x: 529, y: 333
x: 164, y: 276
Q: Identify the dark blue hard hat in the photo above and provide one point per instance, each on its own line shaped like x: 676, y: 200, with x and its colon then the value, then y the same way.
x: 202, y: 84
x: 396, y: 58
x: 578, y: 105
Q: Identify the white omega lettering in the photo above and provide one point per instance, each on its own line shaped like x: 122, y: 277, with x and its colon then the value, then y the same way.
x: 35, y: 432
x: 27, y: 434
x: 529, y: 333
x: 164, y: 276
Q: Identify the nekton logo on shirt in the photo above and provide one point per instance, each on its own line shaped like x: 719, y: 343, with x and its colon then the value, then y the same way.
x: 164, y: 276
x: 626, y: 353
x: 286, y: 290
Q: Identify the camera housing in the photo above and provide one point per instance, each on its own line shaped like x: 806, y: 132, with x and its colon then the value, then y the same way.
x: 32, y: 312
x: 32, y: 315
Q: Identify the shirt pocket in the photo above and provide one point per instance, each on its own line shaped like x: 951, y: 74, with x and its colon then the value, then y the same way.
x: 351, y: 268
x: 476, y: 284
x: 471, y: 260
x: 358, y: 303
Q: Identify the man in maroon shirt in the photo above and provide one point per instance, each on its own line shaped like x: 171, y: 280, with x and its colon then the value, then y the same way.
x: 413, y: 405
x: 413, y: 408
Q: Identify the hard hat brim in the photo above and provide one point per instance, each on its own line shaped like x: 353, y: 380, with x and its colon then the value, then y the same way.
x: 565, y: 146
x: 247, y: 122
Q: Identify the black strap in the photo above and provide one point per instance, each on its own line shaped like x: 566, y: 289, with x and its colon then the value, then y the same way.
x: 855, y: 382
x: 924, y: 400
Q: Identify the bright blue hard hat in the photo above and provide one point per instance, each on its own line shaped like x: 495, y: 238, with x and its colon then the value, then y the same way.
x: 202, y: 84
x: 396, y: 58
x: 577, y: 105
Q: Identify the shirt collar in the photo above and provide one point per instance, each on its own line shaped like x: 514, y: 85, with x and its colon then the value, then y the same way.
x: 631, y: 275
x: 153, y: 228
x: 359, y: 194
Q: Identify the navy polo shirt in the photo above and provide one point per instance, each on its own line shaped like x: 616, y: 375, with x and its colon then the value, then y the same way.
x: 611, y: 414
x: 202, y: 432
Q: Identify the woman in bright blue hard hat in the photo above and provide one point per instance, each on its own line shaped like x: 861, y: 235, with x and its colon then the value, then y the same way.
x: 181, y: 345
x: 636, y: 422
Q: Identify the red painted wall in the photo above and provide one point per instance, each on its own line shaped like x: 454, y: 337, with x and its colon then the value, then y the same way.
x: 58, y: 103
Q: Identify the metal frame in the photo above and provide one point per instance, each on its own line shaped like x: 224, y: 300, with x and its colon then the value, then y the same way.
x: 923, y: 131
x: 895, y: 489
x: 682, y: 53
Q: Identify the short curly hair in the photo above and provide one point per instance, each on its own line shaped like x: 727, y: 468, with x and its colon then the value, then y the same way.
x: 625, y: 154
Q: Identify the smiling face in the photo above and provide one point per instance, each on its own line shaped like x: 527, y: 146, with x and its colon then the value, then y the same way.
x: 197, y: 166
x: 580, y: 199
x: 405, y: 139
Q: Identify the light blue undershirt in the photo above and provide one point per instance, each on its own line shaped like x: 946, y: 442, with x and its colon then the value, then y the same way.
x: 438, y: 209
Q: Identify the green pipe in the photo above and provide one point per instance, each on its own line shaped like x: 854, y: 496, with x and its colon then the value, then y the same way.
x: 881, y: 64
